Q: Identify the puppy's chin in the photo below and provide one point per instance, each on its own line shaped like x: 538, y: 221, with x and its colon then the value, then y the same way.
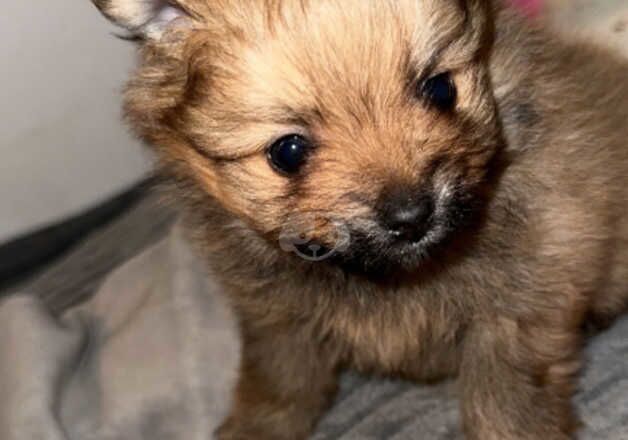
x: 380, y: 260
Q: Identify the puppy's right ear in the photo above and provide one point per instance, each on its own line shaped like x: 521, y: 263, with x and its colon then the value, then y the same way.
x: 148, y: 19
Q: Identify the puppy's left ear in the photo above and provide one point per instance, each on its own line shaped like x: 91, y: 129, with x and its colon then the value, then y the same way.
x: 148, y: 19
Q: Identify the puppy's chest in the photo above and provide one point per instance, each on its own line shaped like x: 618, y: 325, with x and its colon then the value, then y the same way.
x: 413, y: 337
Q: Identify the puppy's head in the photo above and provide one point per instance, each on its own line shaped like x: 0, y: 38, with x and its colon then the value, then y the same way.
x: 365, y: 127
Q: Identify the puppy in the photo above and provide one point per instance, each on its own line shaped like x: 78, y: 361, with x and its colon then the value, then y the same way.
x: 415, y: 188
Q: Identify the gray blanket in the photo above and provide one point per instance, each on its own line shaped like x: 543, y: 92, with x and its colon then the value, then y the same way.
x: 153, y: 355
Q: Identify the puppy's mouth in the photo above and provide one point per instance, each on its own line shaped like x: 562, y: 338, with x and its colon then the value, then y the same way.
x: 374, y: 250
x: 379, y: 255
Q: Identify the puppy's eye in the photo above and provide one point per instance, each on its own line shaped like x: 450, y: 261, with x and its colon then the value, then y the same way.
x: 440, y: 91
x: 288, y: 154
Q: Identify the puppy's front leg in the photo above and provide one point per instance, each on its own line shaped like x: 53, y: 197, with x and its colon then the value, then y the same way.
x: 517, y: 382
x: 286, y: 381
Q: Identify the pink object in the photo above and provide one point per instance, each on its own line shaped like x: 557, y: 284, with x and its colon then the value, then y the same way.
x: 529, y: 7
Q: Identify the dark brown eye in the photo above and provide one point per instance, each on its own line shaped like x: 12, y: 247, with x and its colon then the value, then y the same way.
x: 440, y: 92
x: 288, y: 154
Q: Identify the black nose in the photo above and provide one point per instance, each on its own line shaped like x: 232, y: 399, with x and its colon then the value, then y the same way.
x: 407, y: 218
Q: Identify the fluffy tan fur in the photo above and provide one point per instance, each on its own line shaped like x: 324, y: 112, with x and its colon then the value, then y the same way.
x: 538, y: 137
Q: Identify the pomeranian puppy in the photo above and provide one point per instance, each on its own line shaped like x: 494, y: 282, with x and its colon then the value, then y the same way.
x: 415, y: 188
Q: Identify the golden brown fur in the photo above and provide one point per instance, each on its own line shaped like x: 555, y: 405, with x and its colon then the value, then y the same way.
x: 538, y: 142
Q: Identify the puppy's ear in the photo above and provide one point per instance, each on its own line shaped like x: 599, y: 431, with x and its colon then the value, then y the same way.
x: 148, y: 19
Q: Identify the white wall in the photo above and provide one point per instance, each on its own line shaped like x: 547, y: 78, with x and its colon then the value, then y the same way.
x: 62, y: 144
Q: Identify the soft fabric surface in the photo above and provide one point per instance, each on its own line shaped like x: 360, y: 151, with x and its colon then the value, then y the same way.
x: 153, y: 355
x: 24, y: 255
